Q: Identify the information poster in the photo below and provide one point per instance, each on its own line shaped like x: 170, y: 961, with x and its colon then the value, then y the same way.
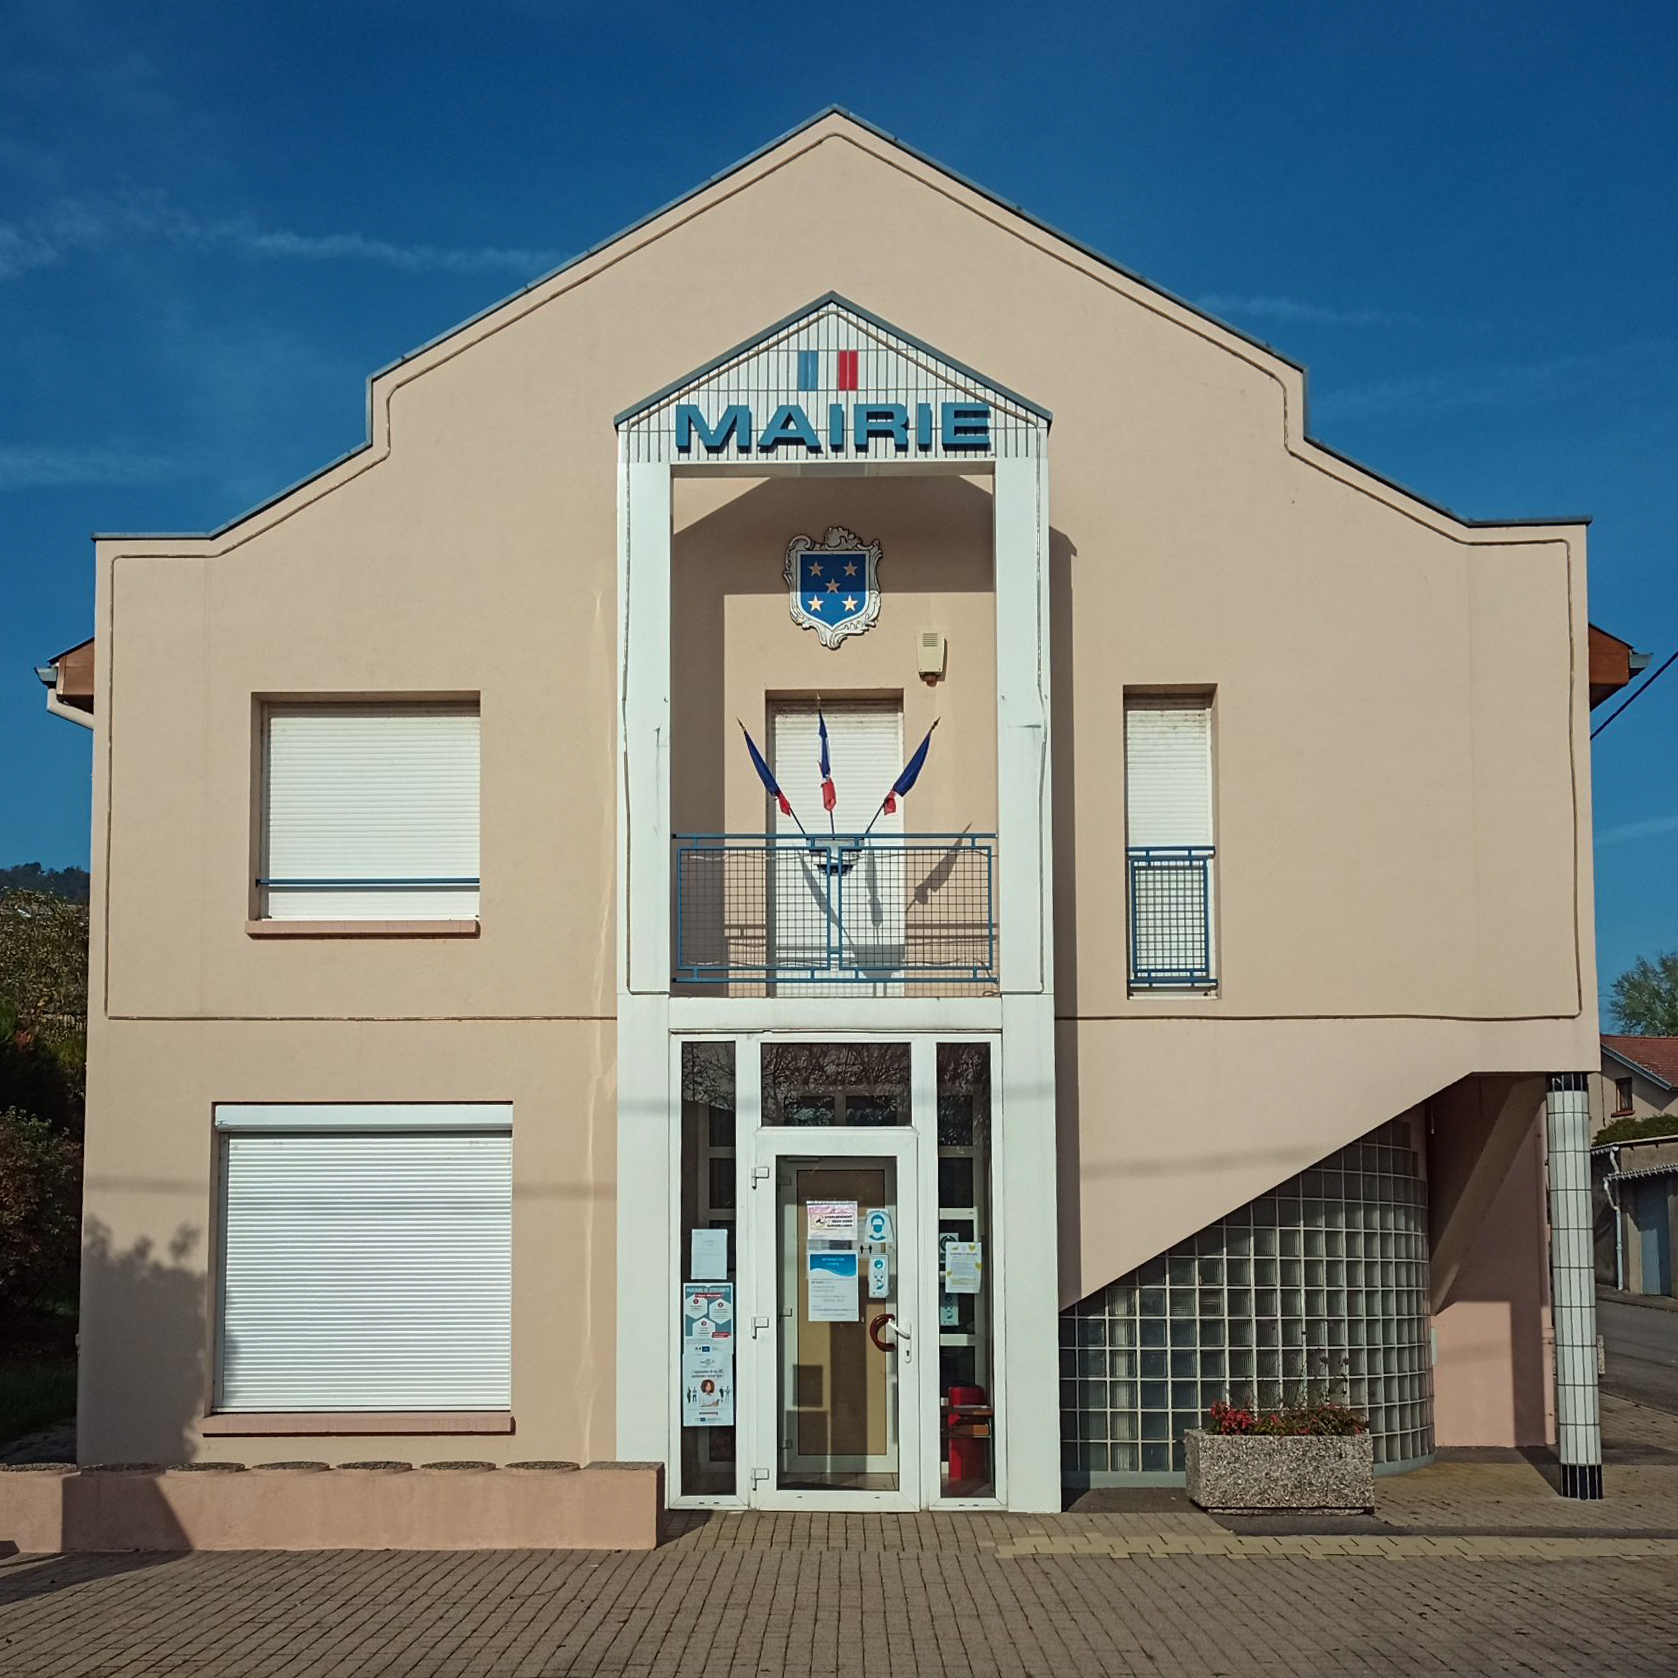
x: 707, y: 1386
x: 833, y: 1285
x: 708, y: 1316
x: 964, y: 1263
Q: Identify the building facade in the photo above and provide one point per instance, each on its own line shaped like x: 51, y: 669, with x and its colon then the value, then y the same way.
x: 480, y: 1047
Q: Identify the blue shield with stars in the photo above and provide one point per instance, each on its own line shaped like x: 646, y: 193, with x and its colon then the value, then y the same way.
x: 833, y: 585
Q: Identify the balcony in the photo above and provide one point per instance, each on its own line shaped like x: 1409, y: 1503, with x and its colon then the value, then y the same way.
x: 899, y: 910
x: 1171, y: 917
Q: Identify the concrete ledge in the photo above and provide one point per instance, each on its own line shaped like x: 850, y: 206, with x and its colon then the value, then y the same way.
x: 362, y: 929
x: 384, y: 1506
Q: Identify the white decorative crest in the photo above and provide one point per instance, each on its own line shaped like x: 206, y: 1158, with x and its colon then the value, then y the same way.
x: 833, y: 586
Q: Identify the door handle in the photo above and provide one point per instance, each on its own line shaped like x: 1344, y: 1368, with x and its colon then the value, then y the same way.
x: 902, y: 1338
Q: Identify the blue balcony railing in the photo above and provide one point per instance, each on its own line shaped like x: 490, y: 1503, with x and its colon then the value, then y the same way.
x: 1171, y: 916
x: 846, y: 908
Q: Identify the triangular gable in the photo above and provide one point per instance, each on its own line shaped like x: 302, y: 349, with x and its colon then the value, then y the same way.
x: 832, y: 383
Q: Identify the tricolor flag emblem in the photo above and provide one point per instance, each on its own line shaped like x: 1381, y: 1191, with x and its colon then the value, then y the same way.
x: 827, y: 369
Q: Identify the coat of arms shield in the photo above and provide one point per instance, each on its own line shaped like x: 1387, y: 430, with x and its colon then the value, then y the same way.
x: 833, y: 586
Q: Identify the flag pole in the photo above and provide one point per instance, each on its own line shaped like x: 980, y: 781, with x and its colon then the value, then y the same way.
x: 832, y: 831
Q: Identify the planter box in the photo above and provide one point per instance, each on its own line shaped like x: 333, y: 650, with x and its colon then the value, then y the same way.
x: 1234, y: 1474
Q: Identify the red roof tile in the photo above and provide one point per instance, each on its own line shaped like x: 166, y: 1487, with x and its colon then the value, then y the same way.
x: 1658, y: 1056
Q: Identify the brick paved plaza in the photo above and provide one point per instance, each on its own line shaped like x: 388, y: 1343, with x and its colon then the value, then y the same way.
x: 1470, y: 1567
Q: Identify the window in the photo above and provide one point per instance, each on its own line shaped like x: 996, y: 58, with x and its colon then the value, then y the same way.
x: 812, y: 930
x: 370, y: 812
x: 366, y: 1259
x: 1622, y: 1096
x: 1168, y: 818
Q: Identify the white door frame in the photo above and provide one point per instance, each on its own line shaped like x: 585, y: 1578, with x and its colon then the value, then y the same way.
x: 760, y: 1333
x: 756, y: 1388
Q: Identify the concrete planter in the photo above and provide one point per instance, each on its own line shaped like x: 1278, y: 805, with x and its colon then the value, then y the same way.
x: 1244, y: 1474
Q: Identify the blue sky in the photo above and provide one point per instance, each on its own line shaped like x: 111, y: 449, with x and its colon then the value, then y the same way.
x: 216, y: 221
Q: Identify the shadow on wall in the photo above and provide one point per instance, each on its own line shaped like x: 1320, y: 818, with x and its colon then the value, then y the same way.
x: 141, y: 1390
x: 141, y: 1387
x: 1492, y: 1383
x: 936, y: 533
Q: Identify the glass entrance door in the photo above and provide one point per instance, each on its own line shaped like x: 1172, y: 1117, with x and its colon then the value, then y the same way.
x: 836, y: 1359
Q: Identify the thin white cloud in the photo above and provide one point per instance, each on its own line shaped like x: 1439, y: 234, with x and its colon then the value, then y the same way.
x: 1493, y: 385
x: 1296, y: 309
x: 74, y: 225
x: 32, y: 466
x: 1649, y: 828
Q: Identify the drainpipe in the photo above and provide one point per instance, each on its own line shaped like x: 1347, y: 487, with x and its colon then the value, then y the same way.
x: 1611, y: 1187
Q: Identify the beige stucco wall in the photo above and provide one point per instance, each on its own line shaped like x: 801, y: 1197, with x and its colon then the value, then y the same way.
x: 1403, y: 810
x: 148, y: 1303
x: 734, y: 641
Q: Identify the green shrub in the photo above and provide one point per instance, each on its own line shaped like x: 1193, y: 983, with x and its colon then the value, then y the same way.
x: 1637, y: 1130
x: 40, y: 1208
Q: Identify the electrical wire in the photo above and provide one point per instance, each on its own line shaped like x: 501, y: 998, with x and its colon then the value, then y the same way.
x: 1631, y: 697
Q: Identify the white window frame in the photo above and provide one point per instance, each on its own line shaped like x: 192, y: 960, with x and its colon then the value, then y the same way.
x: 441, y: 887
x: 485, y: 1122
x: 1175, y: 861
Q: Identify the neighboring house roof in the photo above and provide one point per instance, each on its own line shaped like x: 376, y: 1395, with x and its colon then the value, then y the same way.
x: 1613, y: 664
x: 68, y: 678
x: 1655, y: 1057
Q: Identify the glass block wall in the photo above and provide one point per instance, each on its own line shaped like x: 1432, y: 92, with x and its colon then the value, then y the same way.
x: 1316, y: 1289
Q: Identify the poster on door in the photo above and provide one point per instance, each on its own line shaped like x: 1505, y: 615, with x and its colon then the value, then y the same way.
x: 830, y: 1221
x: 832, y: 1278
x: 708, y: 1316
x: 707, y: 1386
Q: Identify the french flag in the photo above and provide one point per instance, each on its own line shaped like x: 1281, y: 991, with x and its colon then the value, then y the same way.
x: 830, y: 796
x: 766, y: 774
x: 810, y: 370
x: 911, y: 773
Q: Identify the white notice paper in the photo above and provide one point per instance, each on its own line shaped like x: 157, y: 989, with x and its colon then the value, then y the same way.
x: 833, y: 1286
x: 964, y: 1263
x: 709, y: 1262
x: 831, y: 1220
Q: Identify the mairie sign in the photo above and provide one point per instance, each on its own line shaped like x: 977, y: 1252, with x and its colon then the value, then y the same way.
x: 952, y: 427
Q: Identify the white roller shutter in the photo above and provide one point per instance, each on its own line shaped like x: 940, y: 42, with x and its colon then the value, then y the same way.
x: 865, y: 749
x: 371, y: 793
x: 1168, y: 771
x: 365, y: 1270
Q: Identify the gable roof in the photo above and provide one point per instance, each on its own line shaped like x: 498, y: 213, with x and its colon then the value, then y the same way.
x: 1655, y: 1057
x: 377, y: 439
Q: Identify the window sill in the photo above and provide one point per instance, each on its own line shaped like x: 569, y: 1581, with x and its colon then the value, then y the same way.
x: 361, y: 929
x: 268, y: 1424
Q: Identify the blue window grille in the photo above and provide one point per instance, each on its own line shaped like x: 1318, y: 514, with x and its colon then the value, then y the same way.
x: 845, y: 908
x: 1171, y: 916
